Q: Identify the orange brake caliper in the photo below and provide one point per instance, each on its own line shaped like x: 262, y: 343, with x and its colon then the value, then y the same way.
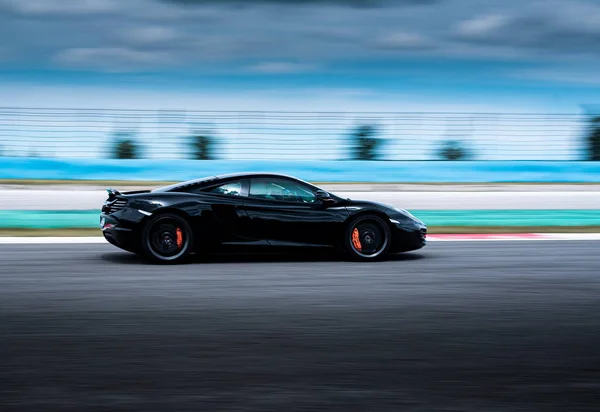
x: 179, y: 238
x: 356, y: 240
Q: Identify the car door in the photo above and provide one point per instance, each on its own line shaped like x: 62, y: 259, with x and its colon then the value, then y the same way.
x: 287, y: 212
x: 227, y: 217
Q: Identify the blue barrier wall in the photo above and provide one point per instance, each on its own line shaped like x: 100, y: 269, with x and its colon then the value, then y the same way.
x: 315, y: 171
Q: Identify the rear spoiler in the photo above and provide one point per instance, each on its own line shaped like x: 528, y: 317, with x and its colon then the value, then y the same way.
x: 112, y: 193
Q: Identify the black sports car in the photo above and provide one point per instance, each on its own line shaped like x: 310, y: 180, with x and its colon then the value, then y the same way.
x: 253, y: 209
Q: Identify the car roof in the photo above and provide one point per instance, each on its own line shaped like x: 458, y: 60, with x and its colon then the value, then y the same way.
x: 252, y: 174
x: 229, y: 176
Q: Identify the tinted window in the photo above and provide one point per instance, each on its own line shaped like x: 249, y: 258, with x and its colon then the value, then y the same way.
x: 280, y: 189
x: 187, y: 186
x: 231, y: 189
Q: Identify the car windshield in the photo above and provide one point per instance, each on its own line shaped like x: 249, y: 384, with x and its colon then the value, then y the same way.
x: 184, y: 184
x: 310, y: 184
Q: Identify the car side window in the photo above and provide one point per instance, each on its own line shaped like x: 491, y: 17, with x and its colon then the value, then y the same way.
x: 230, y: 189
x: 282, y: 190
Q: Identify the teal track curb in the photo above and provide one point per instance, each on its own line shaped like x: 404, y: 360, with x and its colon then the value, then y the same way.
x: 510, y: 217
x: 49, y: 219
x: 87, y: 219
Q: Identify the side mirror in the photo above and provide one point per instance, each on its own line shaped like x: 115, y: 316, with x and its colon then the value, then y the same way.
x: 324, y: 196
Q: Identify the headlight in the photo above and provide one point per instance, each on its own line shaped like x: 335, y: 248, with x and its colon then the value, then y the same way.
x: 405, y: 213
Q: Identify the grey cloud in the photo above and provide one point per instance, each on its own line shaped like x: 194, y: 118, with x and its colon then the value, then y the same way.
x: 280, y: 68
x: 404, y: 41
x: 344, y: 3
x: 535, y: 33
x: 149, y: 36
x: 62, y: 8
x: 553, y: 26
x: 112, y: 59
x: 100, y: 34
x: 566, y: 75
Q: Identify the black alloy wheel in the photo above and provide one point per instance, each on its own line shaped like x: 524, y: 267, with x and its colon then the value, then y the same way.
x: 167, y: 238
x: 367, y: 238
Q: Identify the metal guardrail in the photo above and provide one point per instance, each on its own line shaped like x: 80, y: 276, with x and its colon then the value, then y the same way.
x: 170, y: 134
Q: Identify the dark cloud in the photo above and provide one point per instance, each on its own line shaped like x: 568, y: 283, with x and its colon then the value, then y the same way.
x: 344, y: 3
x: 543, y: 31
x: 290, y: 35
x: 64, y: 8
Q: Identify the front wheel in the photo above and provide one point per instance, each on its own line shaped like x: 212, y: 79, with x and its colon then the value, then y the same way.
x: 167, y: 238
x: 367, y: 238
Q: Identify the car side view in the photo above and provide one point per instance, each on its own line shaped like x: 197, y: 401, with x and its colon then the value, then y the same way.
x: 253, y: 210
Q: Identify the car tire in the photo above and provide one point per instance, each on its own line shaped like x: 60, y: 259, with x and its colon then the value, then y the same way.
x: 167, y: 238
x: 367, y: 238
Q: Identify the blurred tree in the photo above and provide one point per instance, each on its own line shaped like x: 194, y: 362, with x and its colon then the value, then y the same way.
x: 364, y: 145
x: 593, y: 146
x: 453, y: 150
x: 125, y: 146
x: 202, y: 146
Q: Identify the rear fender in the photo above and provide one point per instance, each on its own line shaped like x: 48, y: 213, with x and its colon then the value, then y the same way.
x: 197, y: 222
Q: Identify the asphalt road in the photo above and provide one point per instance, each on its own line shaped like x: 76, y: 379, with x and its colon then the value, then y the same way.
x: 490, y: 326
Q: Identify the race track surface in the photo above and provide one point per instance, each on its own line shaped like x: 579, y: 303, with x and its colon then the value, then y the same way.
x: 487, y: 326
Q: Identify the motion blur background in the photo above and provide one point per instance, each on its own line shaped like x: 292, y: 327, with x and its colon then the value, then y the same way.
x: 318, y: 80
x: 476, y: 116
x: 406, y: 92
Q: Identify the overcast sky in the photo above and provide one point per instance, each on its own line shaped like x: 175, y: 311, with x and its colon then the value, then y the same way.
x: 526, y: 54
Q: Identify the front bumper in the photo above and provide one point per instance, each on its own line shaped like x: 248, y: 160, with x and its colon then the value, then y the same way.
x: 408, y: 235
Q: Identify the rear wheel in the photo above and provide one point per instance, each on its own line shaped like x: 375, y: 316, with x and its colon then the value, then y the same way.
x: 167, y: 238
x: 367, y: 238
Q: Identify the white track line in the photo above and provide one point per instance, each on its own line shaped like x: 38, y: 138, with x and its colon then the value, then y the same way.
x: 532, y: 237
x: 50, y: 240
x: 575, y: 236
x: 35, y: 199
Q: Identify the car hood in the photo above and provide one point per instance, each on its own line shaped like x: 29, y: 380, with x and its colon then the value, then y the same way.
x: 389, y: 210
x: 370, y: 204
